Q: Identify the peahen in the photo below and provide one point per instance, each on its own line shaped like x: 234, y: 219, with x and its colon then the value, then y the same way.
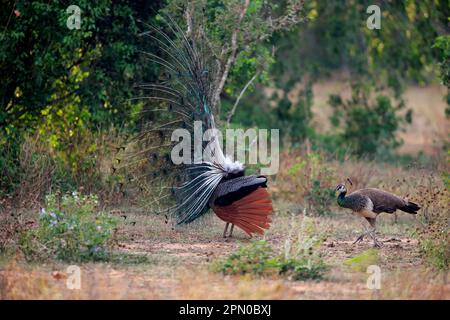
x: 206, y: 178
x: 369, y: 203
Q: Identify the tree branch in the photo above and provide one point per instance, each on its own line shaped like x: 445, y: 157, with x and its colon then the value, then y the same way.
x: 233, y: 110
x: 188, y: 20
x: 231, y: 57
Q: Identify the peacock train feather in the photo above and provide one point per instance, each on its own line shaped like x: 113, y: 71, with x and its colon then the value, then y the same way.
x: 181, y: 98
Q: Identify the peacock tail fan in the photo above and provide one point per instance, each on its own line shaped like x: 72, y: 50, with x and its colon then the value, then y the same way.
x: 180, y: 99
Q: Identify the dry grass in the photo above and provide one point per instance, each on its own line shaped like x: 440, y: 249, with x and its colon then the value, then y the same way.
x: 178, y: 265
x: 179, y: 259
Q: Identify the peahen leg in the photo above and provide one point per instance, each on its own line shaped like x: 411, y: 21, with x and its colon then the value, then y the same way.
x: 376, y: 243
x: 225, y: 231
x: 372, y: 234
x: 361, y: 237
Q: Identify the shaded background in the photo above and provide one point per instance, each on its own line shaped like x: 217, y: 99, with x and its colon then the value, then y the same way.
x: 322, y: 77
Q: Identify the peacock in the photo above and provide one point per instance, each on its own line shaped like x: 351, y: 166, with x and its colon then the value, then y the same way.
x: 369, y: 203
x: 205, y: 179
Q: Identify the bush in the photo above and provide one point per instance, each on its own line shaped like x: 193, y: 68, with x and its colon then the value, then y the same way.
x: 9, y: 164
x: 312, y: 178
x: 34, y: 165
x: 321, y: 198
x: 70, y: 229
x: 434, y: 239
x: 298, y: 262
x: 368, y: 128
x: 433, y: 234
x: 257, y: 258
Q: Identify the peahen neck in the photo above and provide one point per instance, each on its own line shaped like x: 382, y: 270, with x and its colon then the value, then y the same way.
x: 341, y: 200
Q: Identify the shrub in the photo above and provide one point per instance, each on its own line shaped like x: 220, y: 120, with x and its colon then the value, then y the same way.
x: 33, y: 165
x: 321, y: 198
x: 257, y: 258
x: 9, y: 164
x: 313, y: 178
x: 433, y: 234
x: 434, y: 238
x: 70, y: 228
x: 368, y: 128
x: 260, y: 259
x: 301, y: 259
x: 298, y: 262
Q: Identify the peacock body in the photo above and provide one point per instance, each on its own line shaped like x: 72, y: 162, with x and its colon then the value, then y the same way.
x: 176, y: 108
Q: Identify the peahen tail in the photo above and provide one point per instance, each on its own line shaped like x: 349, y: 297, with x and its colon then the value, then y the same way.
x: 410, y: 207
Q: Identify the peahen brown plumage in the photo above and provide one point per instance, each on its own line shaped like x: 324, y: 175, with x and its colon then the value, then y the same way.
x: 206, y: 178
x: 369, y: 203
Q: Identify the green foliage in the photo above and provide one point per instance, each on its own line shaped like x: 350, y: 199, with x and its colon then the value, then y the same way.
x: 71, y: 229
x: 442, y: 45
x: 434, y: 237
x: 336, y: 35
x: 302, y: 269
x: 369, y: 128
x: 297, y: 262
x: 256, y: 258
x: 334, y: 39
x: 314, y: 180
x: 49, y: 68
x: 66, y: 85
x: 321, y: 198
x: 436, y: 251
x: 9, y: 164
x: 362, y: 261
x: 259, y: 259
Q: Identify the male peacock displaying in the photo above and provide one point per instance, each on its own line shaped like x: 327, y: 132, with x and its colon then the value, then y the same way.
x: 205, y: 178
x: 369, y: 203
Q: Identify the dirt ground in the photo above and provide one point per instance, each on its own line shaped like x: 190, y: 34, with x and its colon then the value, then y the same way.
x: 155, y: 261
x: 178, y: 261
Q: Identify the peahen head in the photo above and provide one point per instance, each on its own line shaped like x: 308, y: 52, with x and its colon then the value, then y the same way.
x: 341, y: 188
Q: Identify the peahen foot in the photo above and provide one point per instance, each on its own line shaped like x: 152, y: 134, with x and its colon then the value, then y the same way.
x: 359, y: 239
x: 376, y: 243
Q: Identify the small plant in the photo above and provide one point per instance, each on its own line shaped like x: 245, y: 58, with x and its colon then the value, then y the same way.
x: 314, y: 180
x: 434, y: 240
x: 70, y: 228
x: 321, y: 198
x: 433, y: 234
x: 257, y: 258
x: 297, y: 262
x: 301, y: 259
x: 363, y: 260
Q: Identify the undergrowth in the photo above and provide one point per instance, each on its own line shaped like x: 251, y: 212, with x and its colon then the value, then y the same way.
x: 297, y: 261
x: 70, y: 228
